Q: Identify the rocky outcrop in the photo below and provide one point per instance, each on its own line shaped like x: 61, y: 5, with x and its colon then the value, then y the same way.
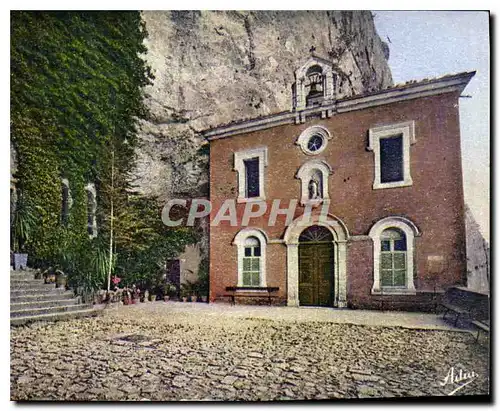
x: 478, y: 255
x: 213, y: 67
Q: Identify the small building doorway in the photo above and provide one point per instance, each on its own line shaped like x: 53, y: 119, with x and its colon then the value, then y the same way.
x: 316, y: 267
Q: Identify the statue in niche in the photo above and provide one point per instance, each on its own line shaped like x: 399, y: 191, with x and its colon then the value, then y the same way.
x: 314, y: 188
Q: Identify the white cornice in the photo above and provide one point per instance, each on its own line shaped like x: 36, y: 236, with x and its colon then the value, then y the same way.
x: 447, y: 84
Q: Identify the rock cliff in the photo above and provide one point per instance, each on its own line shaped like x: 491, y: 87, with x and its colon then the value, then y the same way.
x: 215, y: 67
x: 478, y: 255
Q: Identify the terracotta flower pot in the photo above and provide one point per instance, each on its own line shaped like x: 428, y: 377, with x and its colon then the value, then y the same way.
x: 184, y: 299
x: 193, y: 298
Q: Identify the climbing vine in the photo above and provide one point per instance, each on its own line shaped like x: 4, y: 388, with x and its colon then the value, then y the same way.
x: 77, y: 93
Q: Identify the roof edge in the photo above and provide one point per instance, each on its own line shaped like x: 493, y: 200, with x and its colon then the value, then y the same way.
x: 408, y: 91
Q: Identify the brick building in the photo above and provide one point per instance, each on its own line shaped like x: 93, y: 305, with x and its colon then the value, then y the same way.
x: 385, y: 170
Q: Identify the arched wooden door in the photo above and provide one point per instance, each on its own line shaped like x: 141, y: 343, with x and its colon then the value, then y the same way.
x: 316, y: 267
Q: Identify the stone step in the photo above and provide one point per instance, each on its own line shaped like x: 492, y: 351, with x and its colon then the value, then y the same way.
x: 49, y: 310
x: 42, y: 297
x: 26, y: 281
x: 66, y: 315
x: 22, y: 275
x: 48, y: 289
x: 43, y: 304
x: 29, y: 284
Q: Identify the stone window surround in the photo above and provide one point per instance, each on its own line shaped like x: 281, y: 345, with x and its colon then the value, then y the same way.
x: 407, y: 130
x: 90, y: 187
x: 239, y: 241
x: 305, y: 173
x: 239, y: 166
x: 411, y: 231
x: 304, y: 137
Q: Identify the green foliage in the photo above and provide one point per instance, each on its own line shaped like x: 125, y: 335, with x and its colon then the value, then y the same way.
x: 23, y: 222
x: 144, y: 243
x: 77, y: 93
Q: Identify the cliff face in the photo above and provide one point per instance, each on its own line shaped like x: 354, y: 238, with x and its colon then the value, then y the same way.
x: 215, y: 67
x: 478, y: 256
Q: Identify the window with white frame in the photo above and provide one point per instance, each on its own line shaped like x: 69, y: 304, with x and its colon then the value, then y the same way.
x: 391, y: 148
x: 250, y: 165
x: 251, y: 244
x: 251, y: 262
x: 313, y: 177
x: 393, y: 253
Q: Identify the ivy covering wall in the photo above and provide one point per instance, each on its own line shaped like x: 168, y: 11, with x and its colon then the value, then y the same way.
x: 77, y: 93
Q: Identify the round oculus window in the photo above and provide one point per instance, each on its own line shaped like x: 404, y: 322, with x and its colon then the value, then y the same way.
x: 313, y: 140
x: 315, y: 143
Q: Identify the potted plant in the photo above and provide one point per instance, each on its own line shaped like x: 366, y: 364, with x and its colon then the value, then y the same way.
x: 126, y: 296
x: 184, y: 295
x: 135, y: 294
x: 170, y: 291
x: 23, y: 223
x: 203, y: 283
x: 152, y: 297
x: 61, y: 279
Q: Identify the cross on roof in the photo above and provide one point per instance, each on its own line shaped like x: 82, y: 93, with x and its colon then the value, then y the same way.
x: 312, y: 49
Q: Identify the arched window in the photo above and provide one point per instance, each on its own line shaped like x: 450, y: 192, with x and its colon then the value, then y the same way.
x: 393, y: 249
x: 66, y: 201
x: 251, y: 262
x: 314, y: 85
x: 393, y: 256
x: 91, y: 210
x: 251, y: 245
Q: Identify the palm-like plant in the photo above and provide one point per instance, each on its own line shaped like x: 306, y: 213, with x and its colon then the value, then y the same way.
x: 23, y: 223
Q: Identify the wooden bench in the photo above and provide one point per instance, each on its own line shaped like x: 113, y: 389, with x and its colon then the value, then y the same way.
x: 481, y: 325
x: 465, y: 303
x: 250, y: 292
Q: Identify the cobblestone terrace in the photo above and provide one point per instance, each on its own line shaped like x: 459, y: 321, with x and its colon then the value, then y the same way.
x: 174, y: 351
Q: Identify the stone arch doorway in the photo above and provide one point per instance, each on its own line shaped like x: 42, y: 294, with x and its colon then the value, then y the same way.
x: 316, y: 267
x: 340, y: 236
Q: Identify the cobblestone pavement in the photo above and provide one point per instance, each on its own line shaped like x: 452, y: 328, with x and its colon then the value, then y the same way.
x: 159, y: 352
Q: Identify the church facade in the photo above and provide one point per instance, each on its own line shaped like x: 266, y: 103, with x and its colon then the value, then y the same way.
x: 371, y: 205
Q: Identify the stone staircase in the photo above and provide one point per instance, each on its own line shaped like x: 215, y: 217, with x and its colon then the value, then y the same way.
x: 33, y: 300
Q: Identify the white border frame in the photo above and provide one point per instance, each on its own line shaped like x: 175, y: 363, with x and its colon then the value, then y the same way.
x: 239, y: 241
x: 407, y: 130
x: 239, y: 166
x: 411, y: 231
